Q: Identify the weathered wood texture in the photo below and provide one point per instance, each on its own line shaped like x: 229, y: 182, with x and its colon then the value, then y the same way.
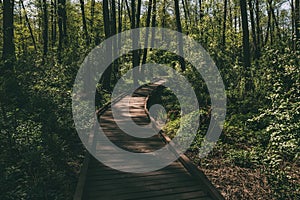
x: 177, y: 181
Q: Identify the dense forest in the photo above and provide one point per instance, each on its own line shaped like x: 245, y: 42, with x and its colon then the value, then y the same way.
x: 255, y: 44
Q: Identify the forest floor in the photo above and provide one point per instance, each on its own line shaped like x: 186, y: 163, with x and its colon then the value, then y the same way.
x: 234, y: 182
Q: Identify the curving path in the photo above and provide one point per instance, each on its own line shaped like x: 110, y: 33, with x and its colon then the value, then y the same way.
x: 178, y: 181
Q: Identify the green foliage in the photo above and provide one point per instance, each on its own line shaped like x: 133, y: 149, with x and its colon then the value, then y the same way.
x: 270, y: 140
x: 39, y: 142
x: 281, y: 122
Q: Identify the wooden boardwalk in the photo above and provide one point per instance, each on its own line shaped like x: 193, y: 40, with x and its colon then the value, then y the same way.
x: 178, y: 181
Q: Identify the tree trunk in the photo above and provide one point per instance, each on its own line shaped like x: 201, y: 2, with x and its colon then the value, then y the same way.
x: 147, y: 32
x: 138, y: 19
x: 224, y: 24
x: 163, y: 20
x: 113, y: 29
x: 250, y: 3
x: 268, y: 28
x: 235, y: 19
x: 246, y: 45
x: 22, y: 48
x: 60, y: 30
x: 53, y: 22
x: 45, y: 29
x: 148, y: 19
x: 128, y: 11
x: 29, y: 26
x: 106, y: 76
x: 135, y: 55
x: 153, y: 21
x: 201, y: 14
x: 138, y: 13
x: 86, y: 34
x: 120, y: 13
x: 258, y: 29
x: 275, y: 19
x: 230, y: 15
x: 106, y: 19
x: 8, y: 53
x: 179, y: 37
x: 187, y: 7
x: 64, y: 20
x: 185, y: 15
x: 113, y: 18
x: 93, y: 3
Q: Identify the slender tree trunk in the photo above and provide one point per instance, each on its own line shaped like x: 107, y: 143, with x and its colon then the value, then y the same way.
x: 153, y: 21
x: 106, y: 19
x: 93, y: 3
x: 230, y: 15
x: 40, y: 22
x: 113, y: 29
x: 148, y: 19
x: 96, y: 30
x: 22, y: 47
x: 147, y: 32
x: 272, y: 30
x: 185, y: 15
x: 45, y: 29
x: 60, y: 30
x: 86, y: 34
x: 239, y: 23
x: 138, y: 13
x: 179, y: 37
x: 120, y: 13
x: 62, y: 27
x: 275, y: 19
x: 250, y: 3
x: 187, y: 7
x: 8, y: 54
x: 53, y: 23
x: 246, y: 45
x: 138, y: 19
x: 64, y: 20
x: 201, y: 14
x: 135, y: 55
x: 120, y: 19
x: 128, y: 11
x: 235, y: 20
x: 224, y: 24
x: 106, y: 77
x: 293, y: 25
x: 113, y: 19
x: 258, y: 29
x: 29, y: 26
x: 268, y: 28
x: 163, y: 20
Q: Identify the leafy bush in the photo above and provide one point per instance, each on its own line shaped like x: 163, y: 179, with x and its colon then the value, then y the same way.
x: 281, y: 120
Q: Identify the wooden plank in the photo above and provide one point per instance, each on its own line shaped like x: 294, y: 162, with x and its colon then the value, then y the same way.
x: 140, y: 187
x: 116, y: 185
x: 181, y: 196
x: 152, y: 194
